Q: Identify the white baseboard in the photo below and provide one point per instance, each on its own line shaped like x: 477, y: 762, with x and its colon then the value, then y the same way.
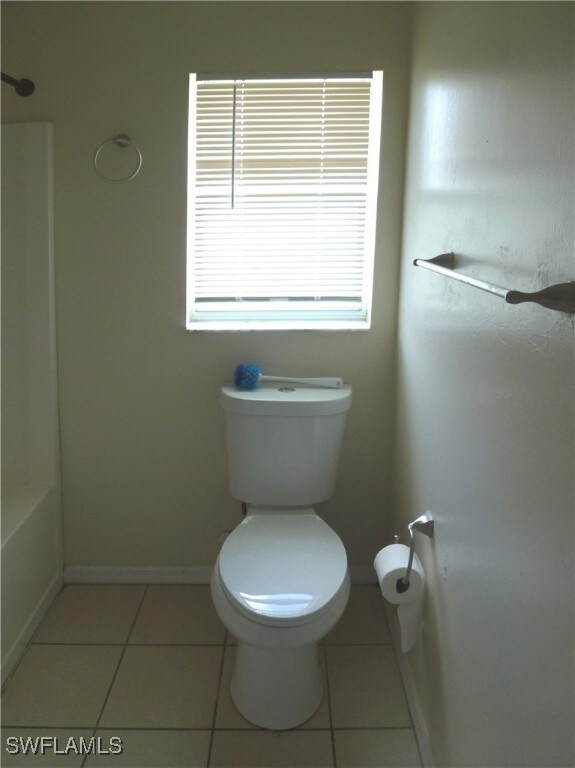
x: 185, y: 574
x: 13, y: 656
x: 413, y: 702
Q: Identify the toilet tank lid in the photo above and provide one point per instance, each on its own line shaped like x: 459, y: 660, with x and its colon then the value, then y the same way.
x: 287, y: 399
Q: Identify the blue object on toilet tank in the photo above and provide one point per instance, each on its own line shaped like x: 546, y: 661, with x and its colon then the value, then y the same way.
x: 247, y: 376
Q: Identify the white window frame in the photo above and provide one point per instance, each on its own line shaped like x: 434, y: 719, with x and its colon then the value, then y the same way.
x: 288, y: 314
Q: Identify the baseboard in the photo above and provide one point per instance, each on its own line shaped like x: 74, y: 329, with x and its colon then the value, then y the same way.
x: 118, y: 574
x: 15, y: 653
x: 413, y: 702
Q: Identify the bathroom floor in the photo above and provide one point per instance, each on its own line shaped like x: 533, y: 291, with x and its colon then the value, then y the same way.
x: 151, y: 665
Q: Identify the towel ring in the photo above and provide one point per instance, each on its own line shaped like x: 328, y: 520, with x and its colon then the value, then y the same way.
x: 121, y: 140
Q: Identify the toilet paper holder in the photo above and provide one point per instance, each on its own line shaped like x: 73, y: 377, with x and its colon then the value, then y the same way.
x: 424, y: 524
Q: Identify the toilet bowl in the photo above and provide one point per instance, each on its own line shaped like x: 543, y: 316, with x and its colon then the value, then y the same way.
x: 280, y: 584
x: 281, y: 580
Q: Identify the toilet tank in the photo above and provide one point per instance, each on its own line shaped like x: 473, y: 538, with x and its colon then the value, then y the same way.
x: 284, y: 442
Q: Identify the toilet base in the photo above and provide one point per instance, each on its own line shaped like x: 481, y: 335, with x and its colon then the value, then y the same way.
x: 277, y: 689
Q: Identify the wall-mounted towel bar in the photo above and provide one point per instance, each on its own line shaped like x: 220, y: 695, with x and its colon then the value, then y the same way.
x: 560, y: 297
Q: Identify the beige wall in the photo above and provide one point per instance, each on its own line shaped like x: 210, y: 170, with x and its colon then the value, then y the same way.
x: 485, y: 407
x: 144, y: 470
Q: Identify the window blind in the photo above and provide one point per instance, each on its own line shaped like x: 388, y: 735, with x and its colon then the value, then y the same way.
x: 282, y: 187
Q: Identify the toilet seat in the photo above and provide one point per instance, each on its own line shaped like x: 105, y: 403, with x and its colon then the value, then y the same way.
x: 282, y: 568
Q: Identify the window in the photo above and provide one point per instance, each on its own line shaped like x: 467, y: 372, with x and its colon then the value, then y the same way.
x: 282, y: 192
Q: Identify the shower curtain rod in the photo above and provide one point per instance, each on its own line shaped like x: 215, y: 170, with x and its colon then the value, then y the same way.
x: 23, y: 87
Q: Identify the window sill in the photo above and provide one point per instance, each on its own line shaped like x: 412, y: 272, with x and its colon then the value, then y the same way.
x: 278, y: 325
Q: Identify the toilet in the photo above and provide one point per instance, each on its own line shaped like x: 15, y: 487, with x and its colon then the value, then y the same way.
x: 281, y: 580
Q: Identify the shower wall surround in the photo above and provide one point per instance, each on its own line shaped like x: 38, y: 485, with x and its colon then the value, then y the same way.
x: 31, y: 498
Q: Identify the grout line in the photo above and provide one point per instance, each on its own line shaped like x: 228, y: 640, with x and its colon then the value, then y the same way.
x: 218, y: 689
x: 254, y: 729
x: 328, y: 694
x: 364, y: 645
x: 136, y: 645
x: 119, y: 664
x: 82, y: 644
x: 144, y: 595
x: 177, y: 645
x: 375, y: 728
x: 30, y: 642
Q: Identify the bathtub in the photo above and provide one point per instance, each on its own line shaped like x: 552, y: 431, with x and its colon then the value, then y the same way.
x: 31, y: 498
x: 31, y: 564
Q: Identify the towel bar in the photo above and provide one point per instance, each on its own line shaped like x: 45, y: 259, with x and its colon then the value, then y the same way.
x: 560, y: 297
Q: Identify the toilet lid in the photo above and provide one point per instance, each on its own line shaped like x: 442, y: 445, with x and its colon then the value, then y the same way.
x: 282, y: 568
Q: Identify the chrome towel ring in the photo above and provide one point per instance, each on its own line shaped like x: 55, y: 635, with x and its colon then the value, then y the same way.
x: 121, y: 140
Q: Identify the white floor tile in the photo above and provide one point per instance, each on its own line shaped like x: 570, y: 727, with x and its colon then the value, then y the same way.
x: 60, y: 685
x: 164, y: 687
x: 87, y: 613
x: 271, y: 749
x: 179, y: 614
x: 363, y: 620
x: 387, y: 748
x: 365, y: 687
x: 22, y: 748
x: 154, y: 749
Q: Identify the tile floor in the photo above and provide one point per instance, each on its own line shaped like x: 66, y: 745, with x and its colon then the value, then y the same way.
x: 151, y: 665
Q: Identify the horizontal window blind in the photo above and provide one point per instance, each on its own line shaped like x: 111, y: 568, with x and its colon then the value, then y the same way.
x: 281, y: 173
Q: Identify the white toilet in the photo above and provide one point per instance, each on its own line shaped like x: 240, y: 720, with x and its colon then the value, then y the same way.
x: 281, y: 580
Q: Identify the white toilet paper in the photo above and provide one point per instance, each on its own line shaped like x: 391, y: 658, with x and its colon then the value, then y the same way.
x: 390, y: 565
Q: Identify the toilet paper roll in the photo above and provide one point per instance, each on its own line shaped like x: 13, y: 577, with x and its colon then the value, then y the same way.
x: 390, y: 566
